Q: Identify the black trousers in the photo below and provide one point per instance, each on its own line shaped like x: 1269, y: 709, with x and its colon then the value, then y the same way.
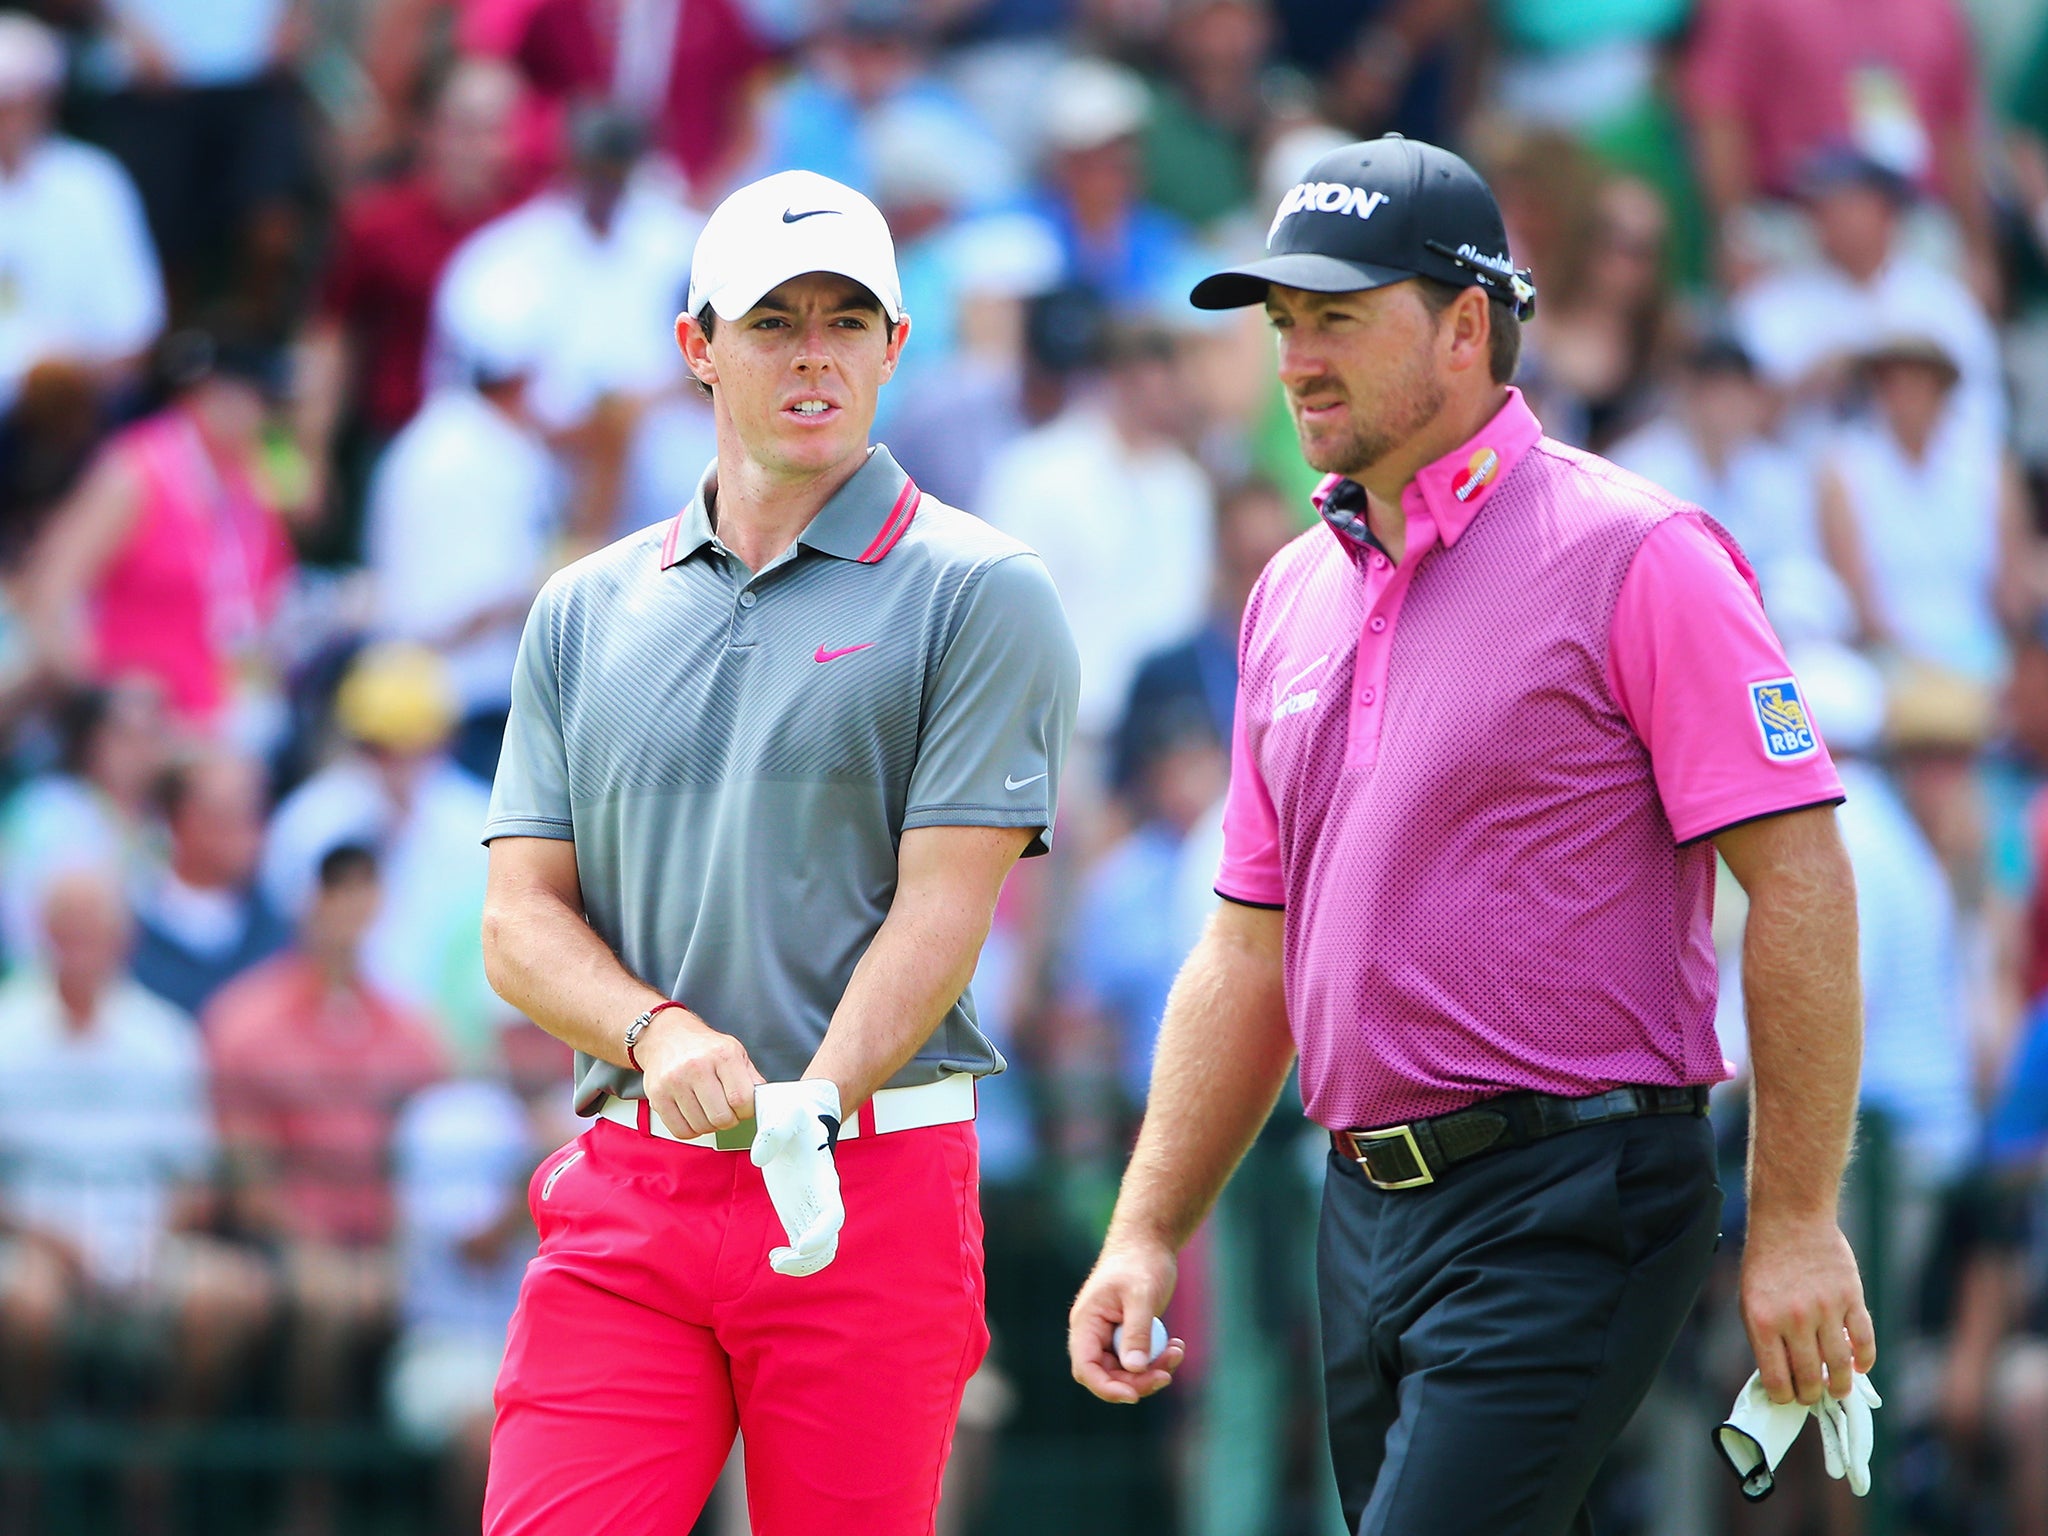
x: 1486, y: 1338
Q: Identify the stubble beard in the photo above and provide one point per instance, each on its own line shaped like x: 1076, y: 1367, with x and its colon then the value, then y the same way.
x: 1411, y: 404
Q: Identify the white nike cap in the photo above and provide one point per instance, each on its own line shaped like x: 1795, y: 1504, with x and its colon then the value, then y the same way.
x: 783, y: 226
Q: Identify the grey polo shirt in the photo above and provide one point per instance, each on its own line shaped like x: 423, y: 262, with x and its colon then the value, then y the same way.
x: 735, y: 755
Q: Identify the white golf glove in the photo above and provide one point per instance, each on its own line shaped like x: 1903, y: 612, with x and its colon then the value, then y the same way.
x: 1846, y: 1429
x: 1757, y: 1435
x: 795, y: 1126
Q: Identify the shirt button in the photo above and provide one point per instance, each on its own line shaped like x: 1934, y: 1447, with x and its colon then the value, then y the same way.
x: 1377, y: 625
x: 1365, y: 695
x: 1379, y: 562
x: 747, y: 599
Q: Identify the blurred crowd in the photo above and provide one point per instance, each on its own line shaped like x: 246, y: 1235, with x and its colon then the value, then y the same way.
x: 329, y: 328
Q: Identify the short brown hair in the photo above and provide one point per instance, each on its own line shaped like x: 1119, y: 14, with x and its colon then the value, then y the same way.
x: 1504, y: 329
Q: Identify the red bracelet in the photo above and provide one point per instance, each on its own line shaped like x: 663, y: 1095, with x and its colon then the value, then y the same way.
x: 638, y: 1028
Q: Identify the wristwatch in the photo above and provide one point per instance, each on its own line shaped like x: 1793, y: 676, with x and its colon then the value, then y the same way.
x: 638, y: 1028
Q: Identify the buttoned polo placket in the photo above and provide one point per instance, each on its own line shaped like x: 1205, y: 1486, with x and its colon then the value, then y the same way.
x: 852, y: 525
x: 1436, y: 514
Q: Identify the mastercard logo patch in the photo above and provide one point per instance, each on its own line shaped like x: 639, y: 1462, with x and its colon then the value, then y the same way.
x: 1479, y: 469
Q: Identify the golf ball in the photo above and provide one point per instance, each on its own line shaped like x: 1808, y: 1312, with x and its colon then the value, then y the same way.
x: 1116, y: 1340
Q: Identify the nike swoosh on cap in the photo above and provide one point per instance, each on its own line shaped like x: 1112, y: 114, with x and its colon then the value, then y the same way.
x: 790, y: 215
x: 821, y: 654
x: 1010, y: 783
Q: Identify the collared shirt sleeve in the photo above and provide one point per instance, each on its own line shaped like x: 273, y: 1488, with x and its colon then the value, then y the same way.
x: 1250, y: 871
x: 530, y: 797
x: 1000, y: 708
x: 1695, y: 667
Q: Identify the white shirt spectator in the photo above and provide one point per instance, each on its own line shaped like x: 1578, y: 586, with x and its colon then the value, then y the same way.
x: 462, y: 509
x: 1916, y: 1055
x: 210, y: 42
x: 1764, y: 494
x: 612, y: 298
x: 424, y: 947
x: 53, y: 825
x: 99, y: 1127
x: 1128, y: 535
x: 463, y: 1149
x: 78, y: 274
x: 1929, y: 532
x: 1793, y: 320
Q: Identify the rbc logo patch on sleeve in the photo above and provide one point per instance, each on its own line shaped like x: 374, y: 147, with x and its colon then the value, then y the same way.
x: 1781, y: 716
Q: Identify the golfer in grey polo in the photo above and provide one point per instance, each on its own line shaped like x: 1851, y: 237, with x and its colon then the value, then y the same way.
x: 767, y: 767
x: 735, y: 754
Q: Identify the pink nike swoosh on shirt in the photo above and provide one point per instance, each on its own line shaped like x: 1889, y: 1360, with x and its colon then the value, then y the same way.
x: 824, y: 655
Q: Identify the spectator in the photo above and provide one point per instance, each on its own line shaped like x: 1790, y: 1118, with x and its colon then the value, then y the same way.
x: 1804, y: 324
x: 103, y: 1192
x: 605, y: 261
x: 1382, y: 64
x: 690, y: 70
x: 1195, y: 679
x: 1208, y: 109
x: 1712, y: 447
x: 466, y: 1152
x: 1103, y: 492
x: 1916, y: 1052
x: 367, y: 343
x: 395, y: 789
x: 869, y: 59
x: 1994, y: 1384
x: 91, y: 811
x: 170, y: 558
x: 1114, y: 241
x: 81, y: 288
x: 311, y: 1064
x: 1773, y: 82
x: 1596, y: 342
x: 1127, y: 943
x: 211, y: 125
x: 464, y: 511
x: 1582, y: 68
x: 1923, y: 516
x: 201, y: 920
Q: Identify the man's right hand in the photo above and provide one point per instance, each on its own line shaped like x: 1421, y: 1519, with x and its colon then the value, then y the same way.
x: 1130, y: 1285
x: 697, y: 1080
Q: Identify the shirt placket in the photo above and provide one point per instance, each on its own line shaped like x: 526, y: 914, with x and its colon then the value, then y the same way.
x: 1386, y: 584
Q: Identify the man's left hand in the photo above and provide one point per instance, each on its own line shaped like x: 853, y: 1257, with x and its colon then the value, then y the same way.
x: 795, y: 1127
x: 1802, y: 1304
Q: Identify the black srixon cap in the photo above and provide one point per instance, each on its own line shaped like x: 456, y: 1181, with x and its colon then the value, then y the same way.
x: 1375, y: 213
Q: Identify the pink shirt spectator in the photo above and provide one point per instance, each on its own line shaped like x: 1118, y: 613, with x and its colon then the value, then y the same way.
x: 308, y: 1081
x: 1478, y: 780
x: 1804, y: 75
x: 198, y: 576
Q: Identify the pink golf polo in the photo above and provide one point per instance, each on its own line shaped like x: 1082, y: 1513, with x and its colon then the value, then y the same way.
x: 1481, y: 780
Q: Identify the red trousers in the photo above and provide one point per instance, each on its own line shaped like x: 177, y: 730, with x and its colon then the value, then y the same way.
x: 650, y: 1329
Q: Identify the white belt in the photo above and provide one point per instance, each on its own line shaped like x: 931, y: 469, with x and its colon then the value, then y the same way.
x: 945, y: 1102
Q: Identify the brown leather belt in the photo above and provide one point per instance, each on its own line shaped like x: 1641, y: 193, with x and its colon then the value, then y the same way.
x: 1420, y: 1152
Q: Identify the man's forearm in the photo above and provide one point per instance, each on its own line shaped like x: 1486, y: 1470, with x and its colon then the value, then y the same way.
x: 920, y: 961
x: 1805, y: 1006
x: 547, y: 962
x: 1224, y: 1053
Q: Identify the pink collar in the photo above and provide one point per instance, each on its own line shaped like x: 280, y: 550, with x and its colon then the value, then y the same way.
x: 1452, y: 489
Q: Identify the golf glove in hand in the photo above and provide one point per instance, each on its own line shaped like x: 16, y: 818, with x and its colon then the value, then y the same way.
x: 796, y: 1126
x: 1757, y: 1435
x: 1845, y: 1433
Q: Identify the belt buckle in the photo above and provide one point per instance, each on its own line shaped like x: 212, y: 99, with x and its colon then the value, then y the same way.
x: 1393, y: 1133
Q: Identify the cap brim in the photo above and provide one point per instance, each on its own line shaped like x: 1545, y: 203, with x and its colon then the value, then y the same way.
x: 1245, y: 285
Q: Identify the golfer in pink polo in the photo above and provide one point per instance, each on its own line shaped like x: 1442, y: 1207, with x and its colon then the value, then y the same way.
x: 1495, y: 716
